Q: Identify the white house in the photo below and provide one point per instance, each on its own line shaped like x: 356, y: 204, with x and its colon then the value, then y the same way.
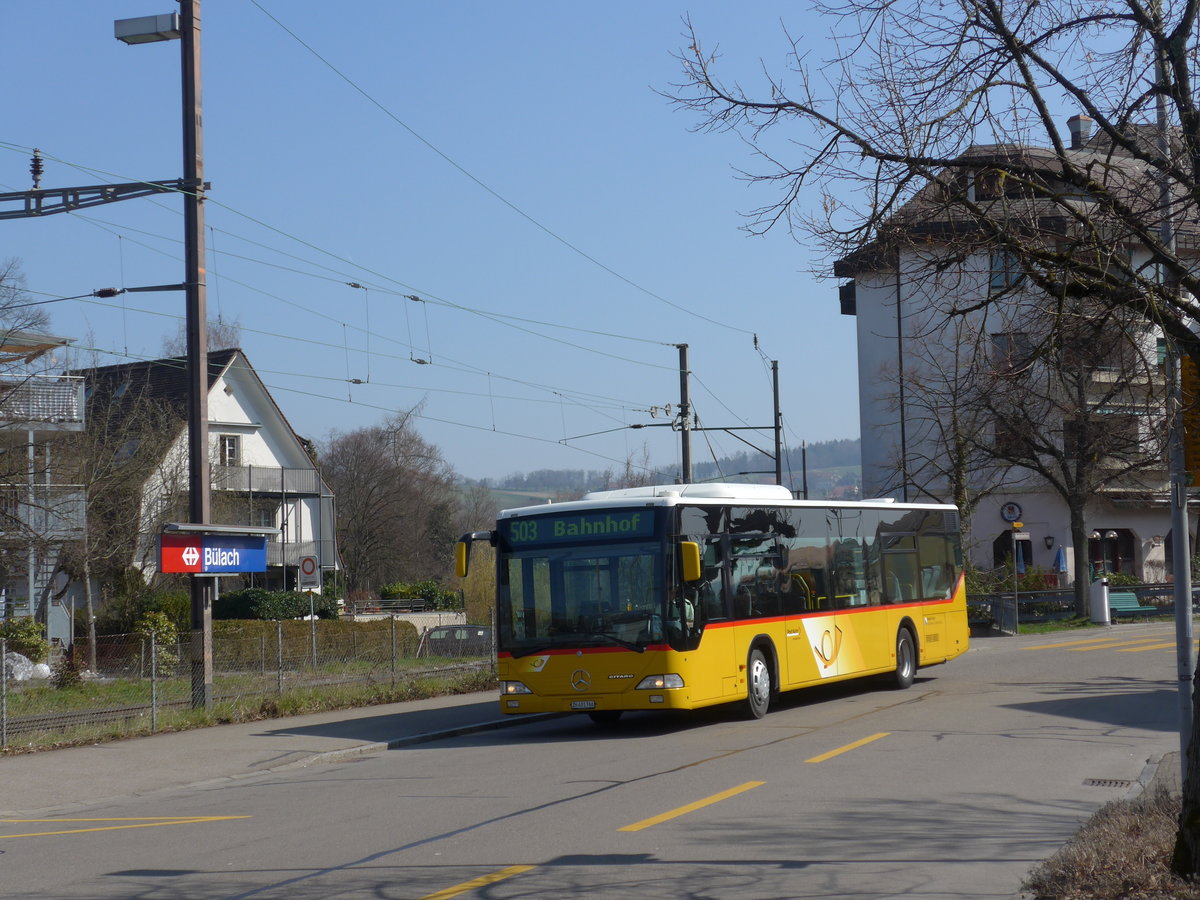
x: 262, y: 472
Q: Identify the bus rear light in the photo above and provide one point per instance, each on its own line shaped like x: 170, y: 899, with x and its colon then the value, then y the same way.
x: 513, y: 687
x: 660, y: 682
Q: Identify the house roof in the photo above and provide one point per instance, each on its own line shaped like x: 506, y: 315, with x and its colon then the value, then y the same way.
x: 1055, y: 207
x: 164, y: 382
x: 161, y: 380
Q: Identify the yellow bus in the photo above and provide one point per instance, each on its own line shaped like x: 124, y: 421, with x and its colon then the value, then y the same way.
x: 686, y: 596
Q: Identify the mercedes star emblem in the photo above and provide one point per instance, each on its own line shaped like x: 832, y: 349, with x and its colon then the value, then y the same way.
x: 581, y: 680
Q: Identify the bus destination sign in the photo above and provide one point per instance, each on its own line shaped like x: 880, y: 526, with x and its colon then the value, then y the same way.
x: 608, y: 525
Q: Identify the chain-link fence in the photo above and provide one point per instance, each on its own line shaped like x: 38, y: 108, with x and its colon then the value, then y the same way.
x: 132, y: 683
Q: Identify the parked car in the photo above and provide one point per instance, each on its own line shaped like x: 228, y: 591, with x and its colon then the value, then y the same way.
x: 457, y: 640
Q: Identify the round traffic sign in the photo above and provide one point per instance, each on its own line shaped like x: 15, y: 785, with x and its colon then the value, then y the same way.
x: 308, y: 565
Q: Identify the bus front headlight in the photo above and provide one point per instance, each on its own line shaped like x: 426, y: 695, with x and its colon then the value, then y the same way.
x: 513, y: 687
x: 660, y: 682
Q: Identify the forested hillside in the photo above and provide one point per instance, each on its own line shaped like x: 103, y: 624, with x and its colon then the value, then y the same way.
x: 833, y: 469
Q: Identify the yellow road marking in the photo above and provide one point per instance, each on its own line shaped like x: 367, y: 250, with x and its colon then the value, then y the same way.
x: 1060, y: 644
x: 1111, y: 643
x: 840, y: 750
x: 144, y: 822
x: 692, y: 807
x: 481, y: 881
x: 1164, y: 646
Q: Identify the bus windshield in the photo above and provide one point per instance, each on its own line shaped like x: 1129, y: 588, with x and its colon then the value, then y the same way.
x: 564, y: 582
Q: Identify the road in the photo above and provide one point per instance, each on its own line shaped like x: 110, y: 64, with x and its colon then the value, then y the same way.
x: 953, y: 788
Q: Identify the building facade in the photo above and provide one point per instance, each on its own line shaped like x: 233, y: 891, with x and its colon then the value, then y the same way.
x: 41, y: 508
x: 262, y: 473
x: 972, y: 392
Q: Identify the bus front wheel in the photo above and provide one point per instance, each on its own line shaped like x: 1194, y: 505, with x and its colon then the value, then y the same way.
x: 906, y: 659
x: 758, y: 685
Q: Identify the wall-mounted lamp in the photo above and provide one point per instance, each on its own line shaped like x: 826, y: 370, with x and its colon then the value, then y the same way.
x: 1049, y: 539
x: 1110, y: 535
x: 1095, y: 535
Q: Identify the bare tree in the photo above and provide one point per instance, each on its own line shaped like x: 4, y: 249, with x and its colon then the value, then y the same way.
x: 395, y: 503
x: 935, y: 123
x: 939, y: 119
x: 222, y: 335
x: 944, y: 450
x: 1084, y: 412
x: 124, y: 448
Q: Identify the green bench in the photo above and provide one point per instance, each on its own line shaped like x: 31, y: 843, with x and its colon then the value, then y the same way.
x: 1126, y: 603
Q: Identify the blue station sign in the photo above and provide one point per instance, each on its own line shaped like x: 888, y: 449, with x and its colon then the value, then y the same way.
x: 212, y: 554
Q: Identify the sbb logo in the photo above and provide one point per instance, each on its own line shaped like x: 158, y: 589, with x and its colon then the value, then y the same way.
x: 180, y: 553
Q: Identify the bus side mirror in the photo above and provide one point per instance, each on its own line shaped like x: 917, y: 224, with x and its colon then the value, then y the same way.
x: 462, y: 550
x: 689, y: 557
x: 462, y: 558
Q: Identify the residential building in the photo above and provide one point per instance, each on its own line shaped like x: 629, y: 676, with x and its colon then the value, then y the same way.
x: 262, y: 473
x: 40, y: 513
x: 946, y: 325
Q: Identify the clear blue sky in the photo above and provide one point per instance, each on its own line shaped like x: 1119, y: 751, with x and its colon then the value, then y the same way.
x: 615, y: 218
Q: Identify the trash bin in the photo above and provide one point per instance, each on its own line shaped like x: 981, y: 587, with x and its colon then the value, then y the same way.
x: 1100, y: 602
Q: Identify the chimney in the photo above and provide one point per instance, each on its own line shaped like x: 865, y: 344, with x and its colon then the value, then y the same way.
x: 1081, y: 130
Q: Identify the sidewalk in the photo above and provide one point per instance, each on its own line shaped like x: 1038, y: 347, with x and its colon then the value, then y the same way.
x: 38, y: 783
x: 1161, y: 775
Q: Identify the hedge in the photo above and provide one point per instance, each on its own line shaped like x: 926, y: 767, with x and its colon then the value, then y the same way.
x: 259, y: 603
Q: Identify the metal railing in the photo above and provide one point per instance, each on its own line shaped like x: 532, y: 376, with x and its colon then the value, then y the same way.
x: 43, y: 401
x: 267, y: 480
x: 1003, y: 613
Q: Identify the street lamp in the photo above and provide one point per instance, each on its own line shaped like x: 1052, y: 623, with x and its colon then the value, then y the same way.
x: 147, y: 29
x: 185, y: 25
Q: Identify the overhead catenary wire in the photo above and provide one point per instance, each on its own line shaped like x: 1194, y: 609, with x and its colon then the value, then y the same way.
x: 584, y: 399
x: 385, y: 277
x: 487, y: 188
x: 500, y: 317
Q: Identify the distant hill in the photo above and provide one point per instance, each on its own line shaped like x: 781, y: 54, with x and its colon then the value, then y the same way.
x: 834, y: 469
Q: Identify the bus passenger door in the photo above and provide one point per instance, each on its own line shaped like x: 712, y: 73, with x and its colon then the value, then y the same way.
x: 813, y: 634
x: 813, y: 647
x: 713, y: 660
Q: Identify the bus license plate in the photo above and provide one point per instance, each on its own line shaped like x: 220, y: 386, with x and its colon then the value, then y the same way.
x: 583, y: 704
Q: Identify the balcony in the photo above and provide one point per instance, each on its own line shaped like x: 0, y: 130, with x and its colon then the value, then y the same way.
x: 267, y: 480
x: 280, y: 553
x: 43, y: 402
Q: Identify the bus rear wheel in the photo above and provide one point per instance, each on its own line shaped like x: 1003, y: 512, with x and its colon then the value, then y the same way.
x: 906, y: 659
x: 758, y: 685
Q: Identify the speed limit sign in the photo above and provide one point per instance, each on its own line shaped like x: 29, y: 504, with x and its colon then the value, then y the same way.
x: 310, y: 575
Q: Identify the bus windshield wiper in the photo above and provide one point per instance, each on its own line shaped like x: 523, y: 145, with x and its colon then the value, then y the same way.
x: 629, y: 645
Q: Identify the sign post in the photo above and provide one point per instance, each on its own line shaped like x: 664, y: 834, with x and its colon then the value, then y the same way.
x: 200, y: 550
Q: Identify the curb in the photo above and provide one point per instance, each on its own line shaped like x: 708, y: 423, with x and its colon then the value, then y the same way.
x: 1161, y: 773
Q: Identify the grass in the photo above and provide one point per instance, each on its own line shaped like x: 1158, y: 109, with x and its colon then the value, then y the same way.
x: 1123, y: 852
x: 297, y: 699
